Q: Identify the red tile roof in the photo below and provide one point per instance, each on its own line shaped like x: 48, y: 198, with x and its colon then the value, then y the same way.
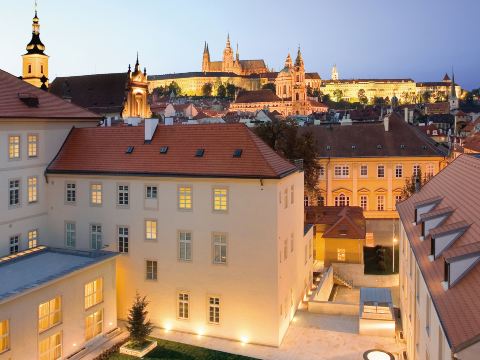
x: 340, y: 222
x: 458, y: 306
x: 102, y: 151
x: 15, y: 95
x: 264, y: 95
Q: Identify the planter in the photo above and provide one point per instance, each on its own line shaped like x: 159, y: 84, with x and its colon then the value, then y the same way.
x: 125, y: 349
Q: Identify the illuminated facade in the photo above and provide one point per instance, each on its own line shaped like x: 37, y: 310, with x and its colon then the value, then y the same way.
x: 136, y: 102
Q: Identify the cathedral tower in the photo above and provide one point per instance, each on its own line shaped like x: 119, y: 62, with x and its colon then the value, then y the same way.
x: 35, y: 61
x: 206, y: 58
x: 227, y: 65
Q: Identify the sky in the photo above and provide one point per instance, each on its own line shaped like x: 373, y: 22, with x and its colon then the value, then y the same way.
x: 418, y: 39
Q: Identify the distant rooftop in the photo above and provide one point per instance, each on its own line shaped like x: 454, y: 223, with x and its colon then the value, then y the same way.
x: 35, y: 267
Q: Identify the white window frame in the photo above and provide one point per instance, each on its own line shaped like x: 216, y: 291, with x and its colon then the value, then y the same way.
x: 214, y: 309
x: 96, y: 194
x: 381, y: 204
x: 415, y: 169
x: 151, y: 232
x: 185, y: 197
x: 32, y: 189
x: 185, y: 245
x: 342, y: 171
x: 381, y: 171
x: 220, y: 195
x: 14, y: 149
x: 123, y: 233
x: 364, y: 202
x: 123, y: 195
x: 96, y: 236
x: 32, y: 238
x: 14, y: 187
x: 92, y: 322
x: 52, y: 350
x: 363, y: 167
x: 220, y: 248
x: 70, y: 234
x: 151, y: 274
x: 151, y: 190
x: 70, y: 192
x: 93, y: 293
x: 32, y: 146
x: 183, y: 305
x: 398, y: 171
x: 51, y: 314
x: 14, y: 243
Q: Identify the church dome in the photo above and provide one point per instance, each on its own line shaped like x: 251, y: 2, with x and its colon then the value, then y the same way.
x: 35, y: 46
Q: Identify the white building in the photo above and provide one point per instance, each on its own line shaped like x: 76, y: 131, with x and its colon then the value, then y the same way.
x: 439, y: 272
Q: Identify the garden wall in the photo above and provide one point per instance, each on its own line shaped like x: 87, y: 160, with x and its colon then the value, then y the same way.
x: 354, y: 273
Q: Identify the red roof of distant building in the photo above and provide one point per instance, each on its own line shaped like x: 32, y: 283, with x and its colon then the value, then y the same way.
x: 103, y: 151
x: 264, y: 95
x: 340, y: 222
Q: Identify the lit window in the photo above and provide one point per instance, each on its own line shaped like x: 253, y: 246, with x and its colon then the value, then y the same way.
x: 151, y: 229
x: 183, y: 304
x: 184, y: 246
x: 95, y: 236
x: 381, y: 171
x: 4, y: 335
x: 32, y: 146
x: 122, y: 195
x: 14, y: 244
x: 416, y: 170
x: 380, y: 202
x: 184, y: 197
x: 214, y: 310
x: 93, y: 324
x: 151, y: 270
x: 220, y: 199
x: 96, y: 194
x: 151, y: 192
x: 49, y: 314
x: 71, y: 192
x: 93, y: 293
x: 364, y: 202
x: 342, y: 200
x: 340, y: 254
x: 398, y: 171
x: 32, y: 189
x: 14, y: 192
x: 50, y: 348
x: 219, y: 248
x: 123, y: 239
x: 32, y: 238
x: 70, y: 234
x: 14, y: 147
x: 363, y: 170
x: 342, y: 171
x: 429, y: 171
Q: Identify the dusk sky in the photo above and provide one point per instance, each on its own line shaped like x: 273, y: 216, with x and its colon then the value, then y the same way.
x: 419, y: 39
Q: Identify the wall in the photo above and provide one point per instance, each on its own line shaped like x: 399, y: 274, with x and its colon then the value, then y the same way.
x: 333, y: 308
x: 354, y: 273
x: 353, y: 250
x: 325, y: 286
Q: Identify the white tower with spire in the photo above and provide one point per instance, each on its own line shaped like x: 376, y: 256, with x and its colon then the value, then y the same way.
x: 334, y: 72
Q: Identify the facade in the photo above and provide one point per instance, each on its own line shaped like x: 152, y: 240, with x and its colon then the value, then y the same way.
x: 367, y: 164
x: 55, y: 303
x: 439, y: 273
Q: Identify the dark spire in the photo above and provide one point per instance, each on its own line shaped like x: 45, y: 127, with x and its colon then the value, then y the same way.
x: 145, y: 71
x: 137, y: 64
x: 453, y: 93
x: 35, y: 46
x: 299, y: 59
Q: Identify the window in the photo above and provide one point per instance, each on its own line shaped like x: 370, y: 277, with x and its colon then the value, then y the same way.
x: 364, y: 202
x: 29, y: 68
x: 14, y: 192
x: 32, y: 146
x: 416, y: 170
x: 381, y: 171
x: 93, y: 324
x: 184, y: 246
x: 185, y: 197
x: 14, y: 147
x: 95, y: 236
x: 151, y: 229
x: 14, y: 244
x: 32, y: 182
x: 363, y: 170
x: 151, y: 192
x: 292, y: 192
x: 342, y: 200
x: 380, y: 202
x: 306, y: 201
x: 427, y: 315
x: 220, y: 201
x: 219, y: 248
x: 70, y: 234
x: 71, y: 192
x: 50, y: 348
x: 4, y: 335
x: 96, y: 194
x: 285, y: 198
x: 122, y: 195
x: 182, y: 305
x: 398, y: 198
x: 93, y: 293
x: 32, y: 238
x: 123, y: 239
x: 398, y: 171
x: 340, y: 254
x: 214, y: 310
x: 321, y: 171
x: 320, y: 200
x: 342, y: 171
x: 151, y: 270
x: 49, y: 314
x: 285, y: 249
x: 429, y: 171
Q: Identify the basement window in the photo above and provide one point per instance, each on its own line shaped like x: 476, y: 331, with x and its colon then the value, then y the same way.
x: 237, y: 153
x: 163, y: 149
x: 129, y: 150
x: 199, y: 152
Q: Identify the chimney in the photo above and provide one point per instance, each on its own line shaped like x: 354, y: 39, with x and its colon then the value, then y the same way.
x: 150, y: 126
x: 108, y: 121
x: 405, y: 114
x: 386, y: 123
x: 410, y: 116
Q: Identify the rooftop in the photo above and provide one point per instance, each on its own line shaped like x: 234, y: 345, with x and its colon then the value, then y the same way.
x: 337, y: 222
x: 264, y: 95
x: 34, y: 267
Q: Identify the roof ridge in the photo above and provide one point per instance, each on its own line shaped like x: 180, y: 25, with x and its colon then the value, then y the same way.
x: 253, y: 139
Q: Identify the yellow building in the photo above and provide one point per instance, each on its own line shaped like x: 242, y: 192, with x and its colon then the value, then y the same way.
x: 367, y: 164
x: 35, y: 61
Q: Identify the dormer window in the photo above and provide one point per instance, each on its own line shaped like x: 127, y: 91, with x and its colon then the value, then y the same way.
x: 424, y: 206
x: 444, y: 236
x: 458, y: 265
x: 434, y: 219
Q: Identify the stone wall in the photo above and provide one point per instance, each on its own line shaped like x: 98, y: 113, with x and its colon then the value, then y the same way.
x: 354, y: 273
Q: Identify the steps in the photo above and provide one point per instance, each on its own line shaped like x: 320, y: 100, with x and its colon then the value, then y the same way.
x: 342, y: 281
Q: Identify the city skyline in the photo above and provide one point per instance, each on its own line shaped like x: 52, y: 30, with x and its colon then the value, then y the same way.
x: 173, y: 41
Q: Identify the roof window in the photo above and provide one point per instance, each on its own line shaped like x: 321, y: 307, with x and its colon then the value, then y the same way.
x: 199, y: 152
x: 129, y: 150
x: 163, y: 149
x: 237, y: 153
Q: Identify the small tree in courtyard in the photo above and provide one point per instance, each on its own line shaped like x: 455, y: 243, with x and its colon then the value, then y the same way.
x: 138, y: 327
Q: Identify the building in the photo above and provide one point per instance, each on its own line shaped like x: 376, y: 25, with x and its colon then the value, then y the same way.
x: 367, y: 164
x: 176, y: 201
x: 35, y: 61
x: 114, y: 96
x: 339, y: 233
x: 56, y: 303
x: 439, y: 272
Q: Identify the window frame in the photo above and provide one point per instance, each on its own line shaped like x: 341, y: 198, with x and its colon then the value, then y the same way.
x: 216, y: 313
x: 93, y: 295
x: 124, y: 194
x: 66, y: 223
x: 220, y: 245
x: 182, y: 305
x: 364, y: 166
x: 147, y: 197
x: 184, y: 242
x: 182, y: 204
x: 5, y: 337
x: 97, y: 234
x: 364, y: 197
x: 94, y: 193
x: 34, y: 144
x: 382, y: 203
x: 32, y: 197
x: 225, y: 197
x: 94, y: 324
x: 16, y: 189
x: 121, y: 243
x: 72, y: 190
x: 146, y: 232
x: 32, y: 240
x: 50, y: 314
x: 19, y: 147
x: 397, y: 168
x: 16, y: 244
x: 382, y: 167
x: 50, y: 349
x: 154, y: 274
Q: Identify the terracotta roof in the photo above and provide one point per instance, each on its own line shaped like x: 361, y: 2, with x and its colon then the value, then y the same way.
x: 338, y: 222
x: 472, y: 142
x: 371, y: 140
x: 312, y: 75
x: 253, y: 65
x: 103, y: 151
x: 19, y: 99
x: 458, y: 306
x: 264, y: 95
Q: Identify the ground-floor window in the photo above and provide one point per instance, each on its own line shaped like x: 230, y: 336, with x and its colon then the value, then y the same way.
x: 183, y: 303
x: 50, y: 348
x: 93, y: 324
x: 214, y: 309
x: 342, y: 200
x: 380, y: 202
x: 341, y: 254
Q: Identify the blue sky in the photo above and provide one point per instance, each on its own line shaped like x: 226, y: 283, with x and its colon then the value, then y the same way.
x: 420, y: 39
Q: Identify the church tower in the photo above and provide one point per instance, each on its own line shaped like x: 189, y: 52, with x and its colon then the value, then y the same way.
x: 334, y: 72
x: 227, y: 65
x: 206, y: 58
x: 136, y: 104
x: 453, y: 99
x: 299, y: 90
x: 35, y: 61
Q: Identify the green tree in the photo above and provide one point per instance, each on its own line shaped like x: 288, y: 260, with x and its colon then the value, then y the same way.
x: 362, y: 97
x: 222, y: 91
x: 337, y: 95
x: 159, y: 91
x: 378, y: 100
x: 426, y: 95
x: 325, y: 98
x: 175, y: 88
x: 137, y: 325
x: 414, y: 183
x: 231, y: 90
x: 309, y: 91
x: 269, y: 86
x: 207, y: 89
x: 316, y: 93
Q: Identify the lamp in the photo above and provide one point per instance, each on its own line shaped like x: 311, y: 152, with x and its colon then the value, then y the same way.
x: 376, y: 354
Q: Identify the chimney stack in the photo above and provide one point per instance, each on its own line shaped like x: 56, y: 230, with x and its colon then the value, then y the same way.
x: 150, y: 127
x: 405, y: 114
x: 386, y: 123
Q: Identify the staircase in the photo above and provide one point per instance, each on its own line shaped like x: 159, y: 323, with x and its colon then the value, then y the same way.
x: 342, y: 281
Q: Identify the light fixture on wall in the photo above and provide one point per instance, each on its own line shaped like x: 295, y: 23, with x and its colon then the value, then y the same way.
x: 377, y: 355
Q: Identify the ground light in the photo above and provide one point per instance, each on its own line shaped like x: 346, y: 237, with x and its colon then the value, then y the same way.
x: 377, y: 355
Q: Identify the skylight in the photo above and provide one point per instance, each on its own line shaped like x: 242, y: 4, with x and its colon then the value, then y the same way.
x: 199, y: 152
x: 163, y: 149
x: 237, y: 153
x: 129, y: 150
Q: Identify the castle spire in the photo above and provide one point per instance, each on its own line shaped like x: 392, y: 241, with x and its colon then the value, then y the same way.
x: 237, y: 56
x: 228, y: 41
x: 288, y: 61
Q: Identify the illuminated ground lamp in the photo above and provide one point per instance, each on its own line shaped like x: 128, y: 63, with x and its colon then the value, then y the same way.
x: 377, y: 355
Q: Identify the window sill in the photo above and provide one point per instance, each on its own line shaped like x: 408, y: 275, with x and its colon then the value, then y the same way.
x: 94, y: 305
x: 51, y: 327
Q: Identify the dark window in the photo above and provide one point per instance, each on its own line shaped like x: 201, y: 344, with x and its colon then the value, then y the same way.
x: 129, y: 150
x: 199, y: 152
x: 237, y: 153
x: 163, y: 149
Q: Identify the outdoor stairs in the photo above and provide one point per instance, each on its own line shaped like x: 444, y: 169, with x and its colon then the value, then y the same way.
x: 342, y: 281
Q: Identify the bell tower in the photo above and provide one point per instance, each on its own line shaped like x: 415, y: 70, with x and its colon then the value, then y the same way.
x: 227, y: 65
x: 35, y: 61
x: 299, y: 89
x: 334, y: 72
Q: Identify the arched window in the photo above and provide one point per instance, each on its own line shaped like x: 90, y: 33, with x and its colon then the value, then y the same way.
x: 298, y: 78
x: 29, y: 69
x: 297, y: 96
x: 342, y: 200
x: 284, y: 89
